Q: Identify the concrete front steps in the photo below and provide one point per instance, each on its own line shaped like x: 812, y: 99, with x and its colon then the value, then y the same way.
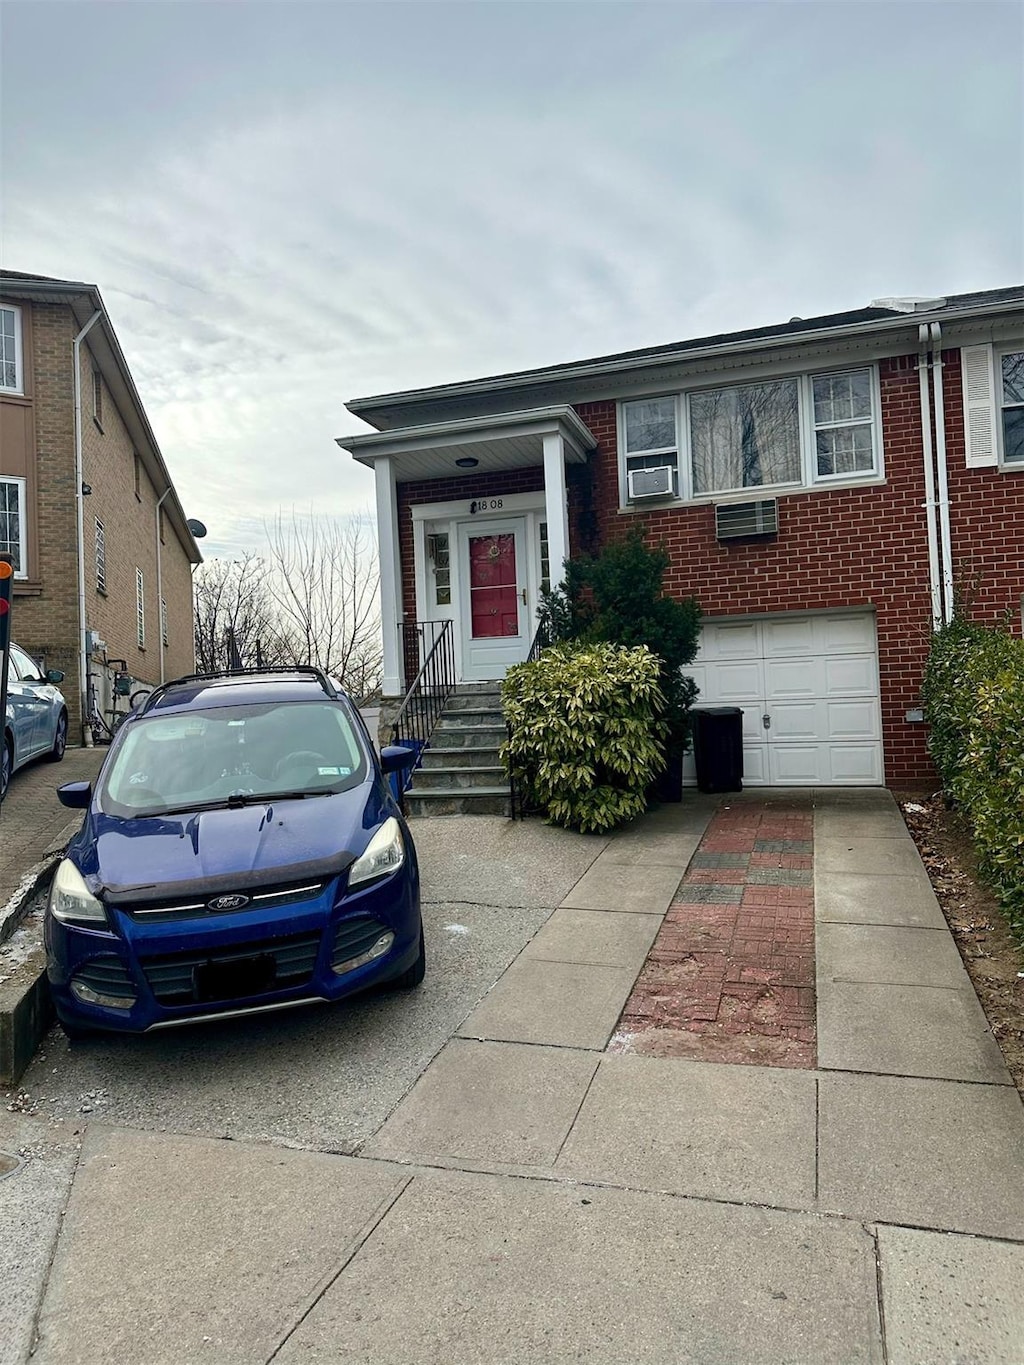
x: 461, y: 772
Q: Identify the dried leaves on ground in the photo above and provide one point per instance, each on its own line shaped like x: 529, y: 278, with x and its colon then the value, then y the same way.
x: 993, y: 958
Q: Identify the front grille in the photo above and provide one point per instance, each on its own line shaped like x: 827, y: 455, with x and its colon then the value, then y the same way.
x: 354, y: 936
x: 173, y: 977
x: 106, y: 976
x: 197, y: 907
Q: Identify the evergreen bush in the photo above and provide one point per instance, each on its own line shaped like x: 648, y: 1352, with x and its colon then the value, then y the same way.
x: 617, y: 597
x: 583, y: 732
x: 974, y: 700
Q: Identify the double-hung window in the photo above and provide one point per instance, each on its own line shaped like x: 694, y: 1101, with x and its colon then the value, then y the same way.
x: 844, y: 437
x: 793, y: 432
x: 12, y: 524
x: 649, y: 431
x: 12, y: 379
x: 1011, y: 377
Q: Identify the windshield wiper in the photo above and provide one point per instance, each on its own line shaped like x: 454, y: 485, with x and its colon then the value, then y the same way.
x: 236, y: 801
x: 153, y: 811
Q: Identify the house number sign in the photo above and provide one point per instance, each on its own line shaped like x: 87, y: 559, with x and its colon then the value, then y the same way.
x: 486, y: 505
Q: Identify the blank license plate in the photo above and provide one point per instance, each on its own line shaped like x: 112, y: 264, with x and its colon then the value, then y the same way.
x: 232, y: 980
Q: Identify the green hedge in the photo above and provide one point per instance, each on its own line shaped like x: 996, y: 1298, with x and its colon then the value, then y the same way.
x: 974, y: 700
x: 585, y: 732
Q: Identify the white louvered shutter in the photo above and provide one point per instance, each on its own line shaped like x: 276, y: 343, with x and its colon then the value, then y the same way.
x: 980, y: 415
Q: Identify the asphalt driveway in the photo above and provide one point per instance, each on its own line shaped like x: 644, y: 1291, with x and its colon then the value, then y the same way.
x: 326, y: 1077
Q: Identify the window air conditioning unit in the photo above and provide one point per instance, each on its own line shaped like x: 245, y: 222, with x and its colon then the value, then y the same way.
x: 651, y: 483
x: 740, y: 520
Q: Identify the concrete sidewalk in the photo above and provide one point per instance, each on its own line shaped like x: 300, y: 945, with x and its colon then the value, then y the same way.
x: 535, y: 1197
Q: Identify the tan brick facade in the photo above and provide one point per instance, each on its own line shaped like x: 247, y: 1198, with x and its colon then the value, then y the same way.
x: 45, y: 611
x: 39, y: 445
x: 114, y: 470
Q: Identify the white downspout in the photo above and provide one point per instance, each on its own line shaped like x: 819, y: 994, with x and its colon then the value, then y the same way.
x: 934, y: 582
x: 160, y: 583
x: 83, y: 653
x: 940, y: 453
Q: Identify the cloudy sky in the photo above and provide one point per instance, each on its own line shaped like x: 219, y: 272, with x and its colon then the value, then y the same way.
x: 287, y: 205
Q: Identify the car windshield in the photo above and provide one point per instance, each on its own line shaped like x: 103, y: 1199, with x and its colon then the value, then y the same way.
x: 230, y: 755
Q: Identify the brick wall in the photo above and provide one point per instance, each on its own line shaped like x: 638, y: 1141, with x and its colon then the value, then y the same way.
x: 46, y: 613
x: 986, y: 520
x: 126, y: 505
x: 46, y: 607
x: 855, y: 547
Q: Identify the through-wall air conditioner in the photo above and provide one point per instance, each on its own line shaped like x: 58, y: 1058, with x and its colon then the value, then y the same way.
x: 659, y: 482
x: 740, y: 520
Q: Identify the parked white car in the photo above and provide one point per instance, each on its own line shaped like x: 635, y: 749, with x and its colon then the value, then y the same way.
x: 36, y: 723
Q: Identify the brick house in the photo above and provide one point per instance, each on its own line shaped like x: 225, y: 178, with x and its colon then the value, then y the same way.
x: 103, y: 555
x: 825, y: 488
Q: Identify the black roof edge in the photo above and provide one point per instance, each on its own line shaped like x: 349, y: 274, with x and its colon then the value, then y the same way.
x: 792, y: 329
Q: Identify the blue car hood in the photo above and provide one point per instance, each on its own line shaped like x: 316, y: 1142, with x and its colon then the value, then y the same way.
x: 272, y: 842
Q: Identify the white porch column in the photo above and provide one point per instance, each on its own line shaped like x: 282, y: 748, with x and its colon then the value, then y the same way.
x: 390, y: 573
x: 556, y: 506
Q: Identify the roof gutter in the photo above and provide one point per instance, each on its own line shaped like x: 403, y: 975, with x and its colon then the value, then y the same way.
x: 585, y: 369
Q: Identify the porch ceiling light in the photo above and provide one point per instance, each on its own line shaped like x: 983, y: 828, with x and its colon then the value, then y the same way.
x: 467, y: 462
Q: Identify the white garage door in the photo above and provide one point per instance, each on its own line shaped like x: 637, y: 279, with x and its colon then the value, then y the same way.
x: 808, y: 688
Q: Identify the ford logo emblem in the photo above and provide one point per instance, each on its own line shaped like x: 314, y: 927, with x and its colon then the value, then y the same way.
x: 227, y: 902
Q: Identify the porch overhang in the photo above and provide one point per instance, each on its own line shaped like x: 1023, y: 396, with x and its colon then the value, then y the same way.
x: 508, y: 440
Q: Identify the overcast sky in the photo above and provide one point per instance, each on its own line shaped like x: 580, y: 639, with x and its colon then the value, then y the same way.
x: 287, y: 205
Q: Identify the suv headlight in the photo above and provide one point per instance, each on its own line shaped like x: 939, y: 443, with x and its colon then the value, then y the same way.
x: 384, y: 853
x: 71, y: 901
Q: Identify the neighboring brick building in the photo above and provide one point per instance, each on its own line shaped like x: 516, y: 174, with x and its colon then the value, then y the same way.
x: 132, y: 556
x: 817, y: 484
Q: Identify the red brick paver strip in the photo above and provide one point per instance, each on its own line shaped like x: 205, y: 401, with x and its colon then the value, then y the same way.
x: 730, y: 977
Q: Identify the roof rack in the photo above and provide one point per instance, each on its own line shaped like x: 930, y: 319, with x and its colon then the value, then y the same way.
x: 253, y: 674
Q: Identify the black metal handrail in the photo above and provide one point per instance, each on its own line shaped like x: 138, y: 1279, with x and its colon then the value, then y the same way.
x: 426, y: 698
x: 540, y: 642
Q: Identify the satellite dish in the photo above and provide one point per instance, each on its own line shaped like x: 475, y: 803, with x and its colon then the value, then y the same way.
x: 196, y: 527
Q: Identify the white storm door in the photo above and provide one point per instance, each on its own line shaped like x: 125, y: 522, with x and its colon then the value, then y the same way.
x: 493, y: 608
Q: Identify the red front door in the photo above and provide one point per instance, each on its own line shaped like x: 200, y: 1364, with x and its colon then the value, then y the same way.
x: 493, y: 590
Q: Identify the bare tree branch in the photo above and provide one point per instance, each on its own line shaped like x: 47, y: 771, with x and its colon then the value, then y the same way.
x: 236, y: 617
x: 324, y: 582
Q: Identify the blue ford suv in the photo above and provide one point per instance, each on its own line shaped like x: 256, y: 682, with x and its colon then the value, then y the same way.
x: 241, y: 852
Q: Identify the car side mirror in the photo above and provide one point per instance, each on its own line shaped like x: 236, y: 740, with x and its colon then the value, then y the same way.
x: 54, y: 675
x: 75, y: 795
x: 395, y: 757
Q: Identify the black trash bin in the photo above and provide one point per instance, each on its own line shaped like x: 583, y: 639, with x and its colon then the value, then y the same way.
x: 718, y: 748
